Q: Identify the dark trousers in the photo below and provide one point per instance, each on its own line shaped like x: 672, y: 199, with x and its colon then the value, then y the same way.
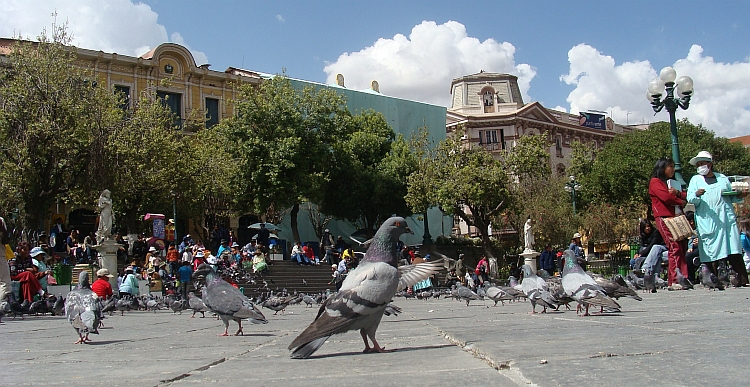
x: 184, y: 286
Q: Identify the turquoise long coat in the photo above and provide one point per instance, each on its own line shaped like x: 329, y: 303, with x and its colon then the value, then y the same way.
x: 715, y: 220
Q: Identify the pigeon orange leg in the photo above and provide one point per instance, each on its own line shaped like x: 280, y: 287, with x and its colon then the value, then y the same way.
x: 239, y: 331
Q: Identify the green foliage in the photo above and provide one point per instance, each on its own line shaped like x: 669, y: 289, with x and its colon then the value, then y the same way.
x: 622, y: 169
x: 529, y: 159
x: 52, y: 119
x: 368, y: 179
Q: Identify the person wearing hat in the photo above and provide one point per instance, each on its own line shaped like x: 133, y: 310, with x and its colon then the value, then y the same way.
x: 129, y: 285
x: 259, y: 263
x: 223, y: 247
x: 155, y: 283
x: 198, y: 259
x: 152, y: 258
x: 575, y: 247
x: 666, y: 202
x: 101, y: 286
x: 38, y: 256
x: 712, y: 195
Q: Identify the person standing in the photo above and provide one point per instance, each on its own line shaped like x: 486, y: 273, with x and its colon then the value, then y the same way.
x: 711, y: 194
x: 665, y: 201
x: 745, y: 239
x: 575, y: 247
x: 185, y: 274
x: 547, y: 260
x: 173, y: 258
x: 263, y: 235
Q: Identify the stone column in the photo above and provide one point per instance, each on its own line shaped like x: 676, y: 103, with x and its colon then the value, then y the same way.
x: 529, y: 258
x: 108, y: 249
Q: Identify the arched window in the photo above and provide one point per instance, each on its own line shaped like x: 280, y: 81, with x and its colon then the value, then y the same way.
x: 488, y: 97
x: 560, y: 169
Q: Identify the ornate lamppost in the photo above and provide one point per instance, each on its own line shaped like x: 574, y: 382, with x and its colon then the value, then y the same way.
x: 684, y: 86
x: 571, y: 187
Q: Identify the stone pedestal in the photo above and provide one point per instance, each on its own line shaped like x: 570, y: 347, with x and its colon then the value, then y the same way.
x: 529, y: 258
x: 108, y: 250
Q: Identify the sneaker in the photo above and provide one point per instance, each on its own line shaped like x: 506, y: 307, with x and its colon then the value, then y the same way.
x: 675, y: 287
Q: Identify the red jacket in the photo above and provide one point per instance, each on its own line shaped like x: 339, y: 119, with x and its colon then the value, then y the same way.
x: 102, y: 288
x: 662, y: 201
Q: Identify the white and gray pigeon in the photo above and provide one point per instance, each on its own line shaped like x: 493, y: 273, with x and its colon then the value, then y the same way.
x: 197, y: 305
x: 582, y: 288
x: 536, y: 290
x: 497, y: 294
x: 227, y: 301
x: 83, y: 309
x: 365, y: 293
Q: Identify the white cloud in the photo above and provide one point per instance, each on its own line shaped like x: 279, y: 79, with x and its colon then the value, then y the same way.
x: 722, y: 90
x: 421, y: 66
x: 111, y: 26
x: 280, y: 18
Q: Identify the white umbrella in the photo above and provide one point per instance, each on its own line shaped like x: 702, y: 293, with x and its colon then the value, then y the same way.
x: 271, y: 236
x: 269, y: 226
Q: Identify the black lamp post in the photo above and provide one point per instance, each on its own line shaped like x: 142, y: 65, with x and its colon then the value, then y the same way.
x: 571, y: 187
x: 684, y: 87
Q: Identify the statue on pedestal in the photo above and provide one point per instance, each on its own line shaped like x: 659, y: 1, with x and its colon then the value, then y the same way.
x: 528, y: 236
x: 106, y: 217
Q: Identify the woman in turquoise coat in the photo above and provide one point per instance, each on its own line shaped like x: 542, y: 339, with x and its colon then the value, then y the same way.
x: 716, y: 223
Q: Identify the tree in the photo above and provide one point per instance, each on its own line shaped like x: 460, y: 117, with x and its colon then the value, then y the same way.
x: 368, y: 182
x: 463, y: 181
x: 52, y: 116
x: 284, y: 144
x: 622, y: 169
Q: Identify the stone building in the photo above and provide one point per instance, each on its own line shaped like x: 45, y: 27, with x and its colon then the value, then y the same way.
x: 489, y: 109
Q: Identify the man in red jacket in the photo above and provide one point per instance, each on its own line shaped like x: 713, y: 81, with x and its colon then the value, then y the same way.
x: 101, y: 286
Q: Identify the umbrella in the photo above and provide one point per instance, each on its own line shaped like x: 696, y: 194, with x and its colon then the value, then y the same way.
x: 272, y: 236
x: 269, y: 226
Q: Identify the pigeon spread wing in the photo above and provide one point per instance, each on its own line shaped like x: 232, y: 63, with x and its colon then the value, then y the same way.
x: 359, y: 304
x: 410, y: 275
x: 83, y: 310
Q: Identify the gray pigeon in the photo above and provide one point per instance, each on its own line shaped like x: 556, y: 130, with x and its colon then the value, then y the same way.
x: 365, y: 293
x: 684, y: 282
x: 582, y: 288
x: 227, y: 301
x: 554, y: 284
x: 4, y: 309
x: 277, y: 304
x: 82, y: 308
x: 197, y: 305
x: 178, y: 306
x: 391, y: 309
x: 309, y: 301
x: 467, y: 294
x: 615, y: 289
x: 497, y: 294
x: 59, y: 307
x: 709, y: 279
x: 536, y: 290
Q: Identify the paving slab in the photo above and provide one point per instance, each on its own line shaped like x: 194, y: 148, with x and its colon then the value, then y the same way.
x: 682, y: 338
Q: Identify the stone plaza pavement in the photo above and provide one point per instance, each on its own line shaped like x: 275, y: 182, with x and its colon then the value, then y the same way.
x: 681, y: 338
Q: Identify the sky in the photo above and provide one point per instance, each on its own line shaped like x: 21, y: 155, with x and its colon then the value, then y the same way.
x: 569, y: 55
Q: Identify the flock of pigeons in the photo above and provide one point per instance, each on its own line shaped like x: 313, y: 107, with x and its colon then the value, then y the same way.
x: 365, y: 296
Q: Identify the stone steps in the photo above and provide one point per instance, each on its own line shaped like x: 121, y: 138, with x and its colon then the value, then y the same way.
x: 289, y: 275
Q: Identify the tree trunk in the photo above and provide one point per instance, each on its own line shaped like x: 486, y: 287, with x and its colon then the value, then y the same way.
x: 293, y: 219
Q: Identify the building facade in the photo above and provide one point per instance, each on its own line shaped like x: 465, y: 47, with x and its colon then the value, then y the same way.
x: 490, y: 112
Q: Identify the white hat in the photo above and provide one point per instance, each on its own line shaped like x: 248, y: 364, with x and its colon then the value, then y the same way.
x: 199, y: 254
x: 702, y: 156
x: 152, y: 248
x: 104, y: 273
x: 576, y: 235
x: 36, y: 251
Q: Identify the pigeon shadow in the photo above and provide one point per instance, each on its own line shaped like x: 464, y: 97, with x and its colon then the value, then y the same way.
x: 432, y: 319
x: 105, y: 342
x: 359, y: 353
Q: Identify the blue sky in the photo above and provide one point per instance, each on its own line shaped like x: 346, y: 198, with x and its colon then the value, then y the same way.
x: 571, y: 55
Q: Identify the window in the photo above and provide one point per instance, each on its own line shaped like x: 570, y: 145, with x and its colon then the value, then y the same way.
x: 502, y: 138
x: 488, y: 139
x: 489, y: 98
x: 174, y: 102
x: 558, y: 146
x: 212, y: 112
x: 125, y: 92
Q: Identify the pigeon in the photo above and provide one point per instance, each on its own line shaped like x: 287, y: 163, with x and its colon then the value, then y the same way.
x: 582, y: 288
x: 466, y: 294
x: 554, y: 285
x: 227, y: 301
x: 615, y: 289
x: 59, y: 308
x: 497, y: 294
x: 391, y: 309
x: 179, y: 306
x: 109, y: 306
x: 309, y: 301
x: 83, y: 309
x: 684, y: 282
x: 197, y: 305
x: 709, y: 279
x: 153, y: 305
x: 277, y: 304
x: 37, y: 307
x: 536, y: 290
x: 365, y: 293
x: 124, y: 304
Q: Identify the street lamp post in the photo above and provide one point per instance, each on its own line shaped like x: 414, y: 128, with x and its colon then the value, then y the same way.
x: 571, y: 187
x: 684, y: 87
x: 174, y: 214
